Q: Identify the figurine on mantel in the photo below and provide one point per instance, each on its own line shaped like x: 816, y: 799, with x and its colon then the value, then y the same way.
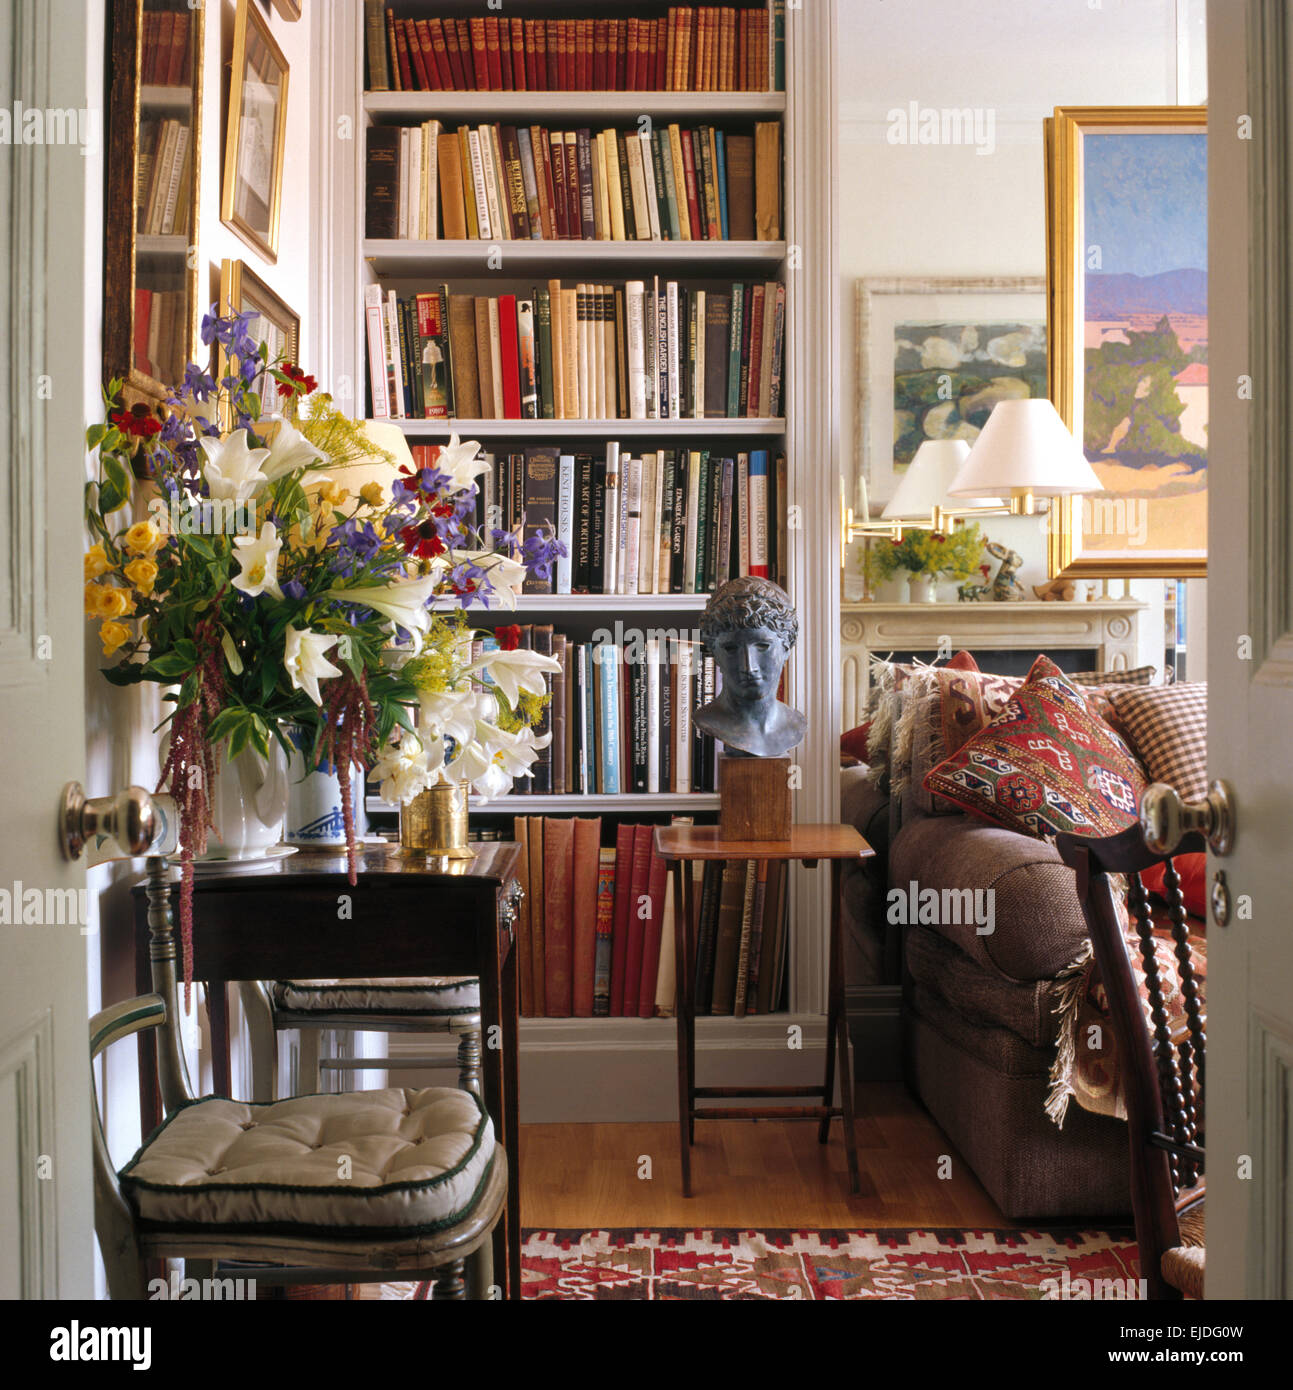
x: 750, y: 627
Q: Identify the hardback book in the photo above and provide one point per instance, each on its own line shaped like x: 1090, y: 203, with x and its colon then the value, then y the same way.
x: 524, y: 956
x: 381, y: 193
x: 541, y: 769
x: 758, y: 513
x: 767, y: 180
x: 557, y: 714
x: 706, y: 931
x: 587, y: 842
x: 509, y: 356
x: 489, y: 408
x: 558, y: 868
x: 526, y: 359
x: 727, y: 946
x: 751, y: 926
x: 541, y: 471
x: 624, y: 844
x: 718, y: 327
x: 657, y: 877
x: 538, y: 931
x: 453, y: 211
x: 565, y: 521
x: 604, y: 928
x: 609, y: 672
x: 377, y: 379
x: 639, y: 913
x: 436, y: 387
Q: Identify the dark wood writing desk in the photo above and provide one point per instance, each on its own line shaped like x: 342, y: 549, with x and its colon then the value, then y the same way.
x: 301, y: 919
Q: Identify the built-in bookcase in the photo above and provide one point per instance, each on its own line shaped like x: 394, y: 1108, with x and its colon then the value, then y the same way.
x: 621, y: 1073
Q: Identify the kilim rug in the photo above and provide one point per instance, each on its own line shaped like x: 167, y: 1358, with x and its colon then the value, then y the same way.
x: 894, y: 1264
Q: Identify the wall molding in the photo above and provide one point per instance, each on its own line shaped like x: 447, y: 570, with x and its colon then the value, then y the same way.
x: 27, y: 1066
x: 1270, y: 1072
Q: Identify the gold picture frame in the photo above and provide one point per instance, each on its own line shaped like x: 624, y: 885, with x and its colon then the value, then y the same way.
x: 255, y: 133
x: 1152, y: 520
x: 279, y: 327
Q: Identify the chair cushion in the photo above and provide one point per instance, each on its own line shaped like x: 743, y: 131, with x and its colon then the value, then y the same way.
x: 1167, y: 726
x: 1184, y: 1265
x: 439, y: 996
x: 416, y: 1160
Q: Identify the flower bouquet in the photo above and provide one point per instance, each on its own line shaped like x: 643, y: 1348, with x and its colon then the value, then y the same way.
x: 261, y: 592
x: 934, y: 554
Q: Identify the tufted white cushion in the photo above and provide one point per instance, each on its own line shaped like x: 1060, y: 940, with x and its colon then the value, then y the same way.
x: 442, y: 996
x: 416, y: 1161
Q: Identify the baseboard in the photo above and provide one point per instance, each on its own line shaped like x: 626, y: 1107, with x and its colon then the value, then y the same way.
x: 875, y: 1026
x: 625, y: 1070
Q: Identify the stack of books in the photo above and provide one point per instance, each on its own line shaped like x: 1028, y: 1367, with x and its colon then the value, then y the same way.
x: 159, y: 333
x: 705, y: 48
x: 164, y: 47
x: 639, y: 350
x: 161, y: 178
x: 519, y: 183
x: 595, y: 936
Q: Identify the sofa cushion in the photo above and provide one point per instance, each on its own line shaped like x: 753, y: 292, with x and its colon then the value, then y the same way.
x: 983, y: 997
x: 1167, y: 727
x: 416, y: 1160
x: 1047, y: 764
x: 1135, y: 675
x: 1037, y: 927
x: 1192, y: 869
x: 443, y: 997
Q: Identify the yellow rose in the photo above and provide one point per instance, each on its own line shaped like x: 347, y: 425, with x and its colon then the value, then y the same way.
x: 143, y: 538
x: 96, y: 563
x: 142, y: 573
x: 113, y: 602
x: 332, y: 493
x: 372, y: 494
x: 112, y: 635
x: 92, y: 592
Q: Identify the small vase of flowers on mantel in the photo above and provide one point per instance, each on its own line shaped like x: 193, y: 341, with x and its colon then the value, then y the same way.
x: 926, y: 557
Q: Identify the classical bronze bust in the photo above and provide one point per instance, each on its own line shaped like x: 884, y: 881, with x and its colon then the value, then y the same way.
x: 749, y: 626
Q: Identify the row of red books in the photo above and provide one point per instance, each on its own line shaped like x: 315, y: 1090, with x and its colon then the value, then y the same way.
x: 164, y: 48
x: 706, y: 48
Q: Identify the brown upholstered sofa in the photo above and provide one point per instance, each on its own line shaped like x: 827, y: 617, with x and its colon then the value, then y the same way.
x: 979, y: 1021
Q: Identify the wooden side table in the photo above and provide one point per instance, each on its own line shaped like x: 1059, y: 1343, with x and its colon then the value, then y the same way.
x: 807, y: 843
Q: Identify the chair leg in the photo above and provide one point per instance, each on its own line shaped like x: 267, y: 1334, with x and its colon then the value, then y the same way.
x: 307, y: 1071
x: 480, y: 1272
x: 448, y: 1283
x: 469, y: 1061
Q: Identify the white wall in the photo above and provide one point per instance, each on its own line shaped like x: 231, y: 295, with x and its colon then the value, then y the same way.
x: 925, y: 210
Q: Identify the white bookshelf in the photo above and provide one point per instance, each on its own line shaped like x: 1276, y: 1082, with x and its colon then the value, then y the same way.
x: 622, y: 1068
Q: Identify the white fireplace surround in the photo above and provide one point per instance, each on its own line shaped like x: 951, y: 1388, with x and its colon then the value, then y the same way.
x: 1110, y: 627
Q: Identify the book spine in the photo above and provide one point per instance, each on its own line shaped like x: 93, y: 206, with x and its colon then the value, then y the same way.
x: 529, y: 381
x: 608, y: 674
x: 565, y: 520
x: 758, y: 512
x: 604, y: 929
x: 544, y: 355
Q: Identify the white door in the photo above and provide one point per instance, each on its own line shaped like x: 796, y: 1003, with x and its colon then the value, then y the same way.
x: 1250, y: 648
x: 49, y: 354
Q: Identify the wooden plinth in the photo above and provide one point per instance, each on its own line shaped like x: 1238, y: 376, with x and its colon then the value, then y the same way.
x: 753, y: 798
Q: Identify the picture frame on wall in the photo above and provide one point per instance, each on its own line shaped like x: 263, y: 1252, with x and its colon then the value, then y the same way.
x: 289, y: 10
x: 1127, y: 298
x: 933, y: 355
x: 255, y: 134
x: 242, y: 291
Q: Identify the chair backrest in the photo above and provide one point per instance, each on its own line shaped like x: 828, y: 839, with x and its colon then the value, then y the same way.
x: 1162, y: 1075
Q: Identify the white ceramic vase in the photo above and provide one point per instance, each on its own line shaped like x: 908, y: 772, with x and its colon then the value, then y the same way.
x: 924, y: 588
x: 248, y: 802
x: 314, y: 812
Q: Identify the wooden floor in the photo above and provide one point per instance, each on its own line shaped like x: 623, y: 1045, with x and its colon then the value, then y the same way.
x: 752, y: 1174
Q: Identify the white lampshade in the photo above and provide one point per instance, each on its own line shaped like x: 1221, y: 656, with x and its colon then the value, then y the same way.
x: 1025, y: 447
x: 383, y: 436
x: 925, y: 484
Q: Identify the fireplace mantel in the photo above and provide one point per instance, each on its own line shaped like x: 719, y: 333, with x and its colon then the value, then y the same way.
x: 1109, y: 626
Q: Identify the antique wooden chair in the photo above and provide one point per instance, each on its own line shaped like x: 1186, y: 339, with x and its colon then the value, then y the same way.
x: 356, y: 1188
x: 1162, y: 1076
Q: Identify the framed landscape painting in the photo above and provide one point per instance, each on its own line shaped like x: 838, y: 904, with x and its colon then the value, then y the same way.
x: 933, y: 357
x: 1127, y: 221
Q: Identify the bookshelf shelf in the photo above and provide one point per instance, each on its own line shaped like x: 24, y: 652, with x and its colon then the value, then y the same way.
x: 626, y: 802
x: 388, y: 107
x: 609, y: 429
x: 695, y: 259
x: 165, y: 99
x: 598, y: 603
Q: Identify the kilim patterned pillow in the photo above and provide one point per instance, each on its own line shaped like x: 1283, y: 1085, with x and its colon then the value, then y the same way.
x: 1046, y: 764
x: 1167, y: 727
x: 1138, y: 675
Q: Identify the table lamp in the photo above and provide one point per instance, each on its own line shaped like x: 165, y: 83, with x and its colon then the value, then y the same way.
x: 924, y: 493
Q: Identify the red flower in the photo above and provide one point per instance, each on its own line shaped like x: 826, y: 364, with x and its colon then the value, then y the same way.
x: 421, y: 540
x: 941, y: 539
x: 298, y: 383
x: 985, y: 570
x: 509, y: 637
x: 139, y: 422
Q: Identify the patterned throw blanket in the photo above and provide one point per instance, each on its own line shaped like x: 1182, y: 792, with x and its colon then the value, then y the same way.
x: 1087, y: 1066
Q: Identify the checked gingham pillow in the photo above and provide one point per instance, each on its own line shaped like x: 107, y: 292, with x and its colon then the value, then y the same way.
x: 1167, y: 727
x: 1046, y: 764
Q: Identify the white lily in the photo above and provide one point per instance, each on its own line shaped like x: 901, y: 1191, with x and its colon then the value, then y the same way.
x: 495, y: 758
x: 232, y: 469
x: 451, y: 713
x: 517, y: 670
x: 306, y: 662
x: 289, y: 450
x: 408, y: 767
x: 462, y: 462
x: 404, y: 602
x: 258, y: 556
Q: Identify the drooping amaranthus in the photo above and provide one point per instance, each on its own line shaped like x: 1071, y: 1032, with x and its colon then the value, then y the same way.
x: 349, y: 736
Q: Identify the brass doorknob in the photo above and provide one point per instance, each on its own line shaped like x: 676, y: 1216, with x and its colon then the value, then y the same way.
x: 130, y: 819
x: 1165, y: 819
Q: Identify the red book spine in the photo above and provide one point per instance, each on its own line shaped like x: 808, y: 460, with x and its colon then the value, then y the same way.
x: 620, y: 917
x: 393, y: 44
x: 420, y: 52
x: 543, y: 152
x: 588, y: 837
x: 479, y: 60
x: 457, y: 71
x: 440, y: 53
x: 558, y: 856
x: 756, y: 351
x: 657, y: 876
x: 689, y: 175
x: 660, y: 81
x: 540, y: 31
x: 620, y: 50
x: 508, y: 350
x: 631, y: 65
x: 518, y: 56
x: 467, y: 50
x: 416, y: 60
x: 493, y: 60
x: 587, y: 44
x: 599, y: 55
x: 557, y: 196
x: 505, y: 53
x: 743, y: 51
x: 552, y: 49
x: 638, y: 886
x: 179, y: 47
x: 527, y: 52
x: 407, y: 77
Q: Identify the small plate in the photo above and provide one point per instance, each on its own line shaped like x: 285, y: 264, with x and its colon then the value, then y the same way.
x: 267, y: 856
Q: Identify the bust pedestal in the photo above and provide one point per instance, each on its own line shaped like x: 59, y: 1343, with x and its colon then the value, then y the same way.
x: 753, y: 798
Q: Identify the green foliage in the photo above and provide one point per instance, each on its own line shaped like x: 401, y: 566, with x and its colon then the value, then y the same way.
x: 954, y: 556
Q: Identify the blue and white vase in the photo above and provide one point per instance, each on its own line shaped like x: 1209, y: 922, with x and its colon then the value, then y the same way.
x: 314, y: 814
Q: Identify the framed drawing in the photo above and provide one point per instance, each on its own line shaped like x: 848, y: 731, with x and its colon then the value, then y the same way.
x: 933, y: 356
x: 256, y: 133
x: 289, y: 10
x: 1127, y: 270
x: 242, y: 291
